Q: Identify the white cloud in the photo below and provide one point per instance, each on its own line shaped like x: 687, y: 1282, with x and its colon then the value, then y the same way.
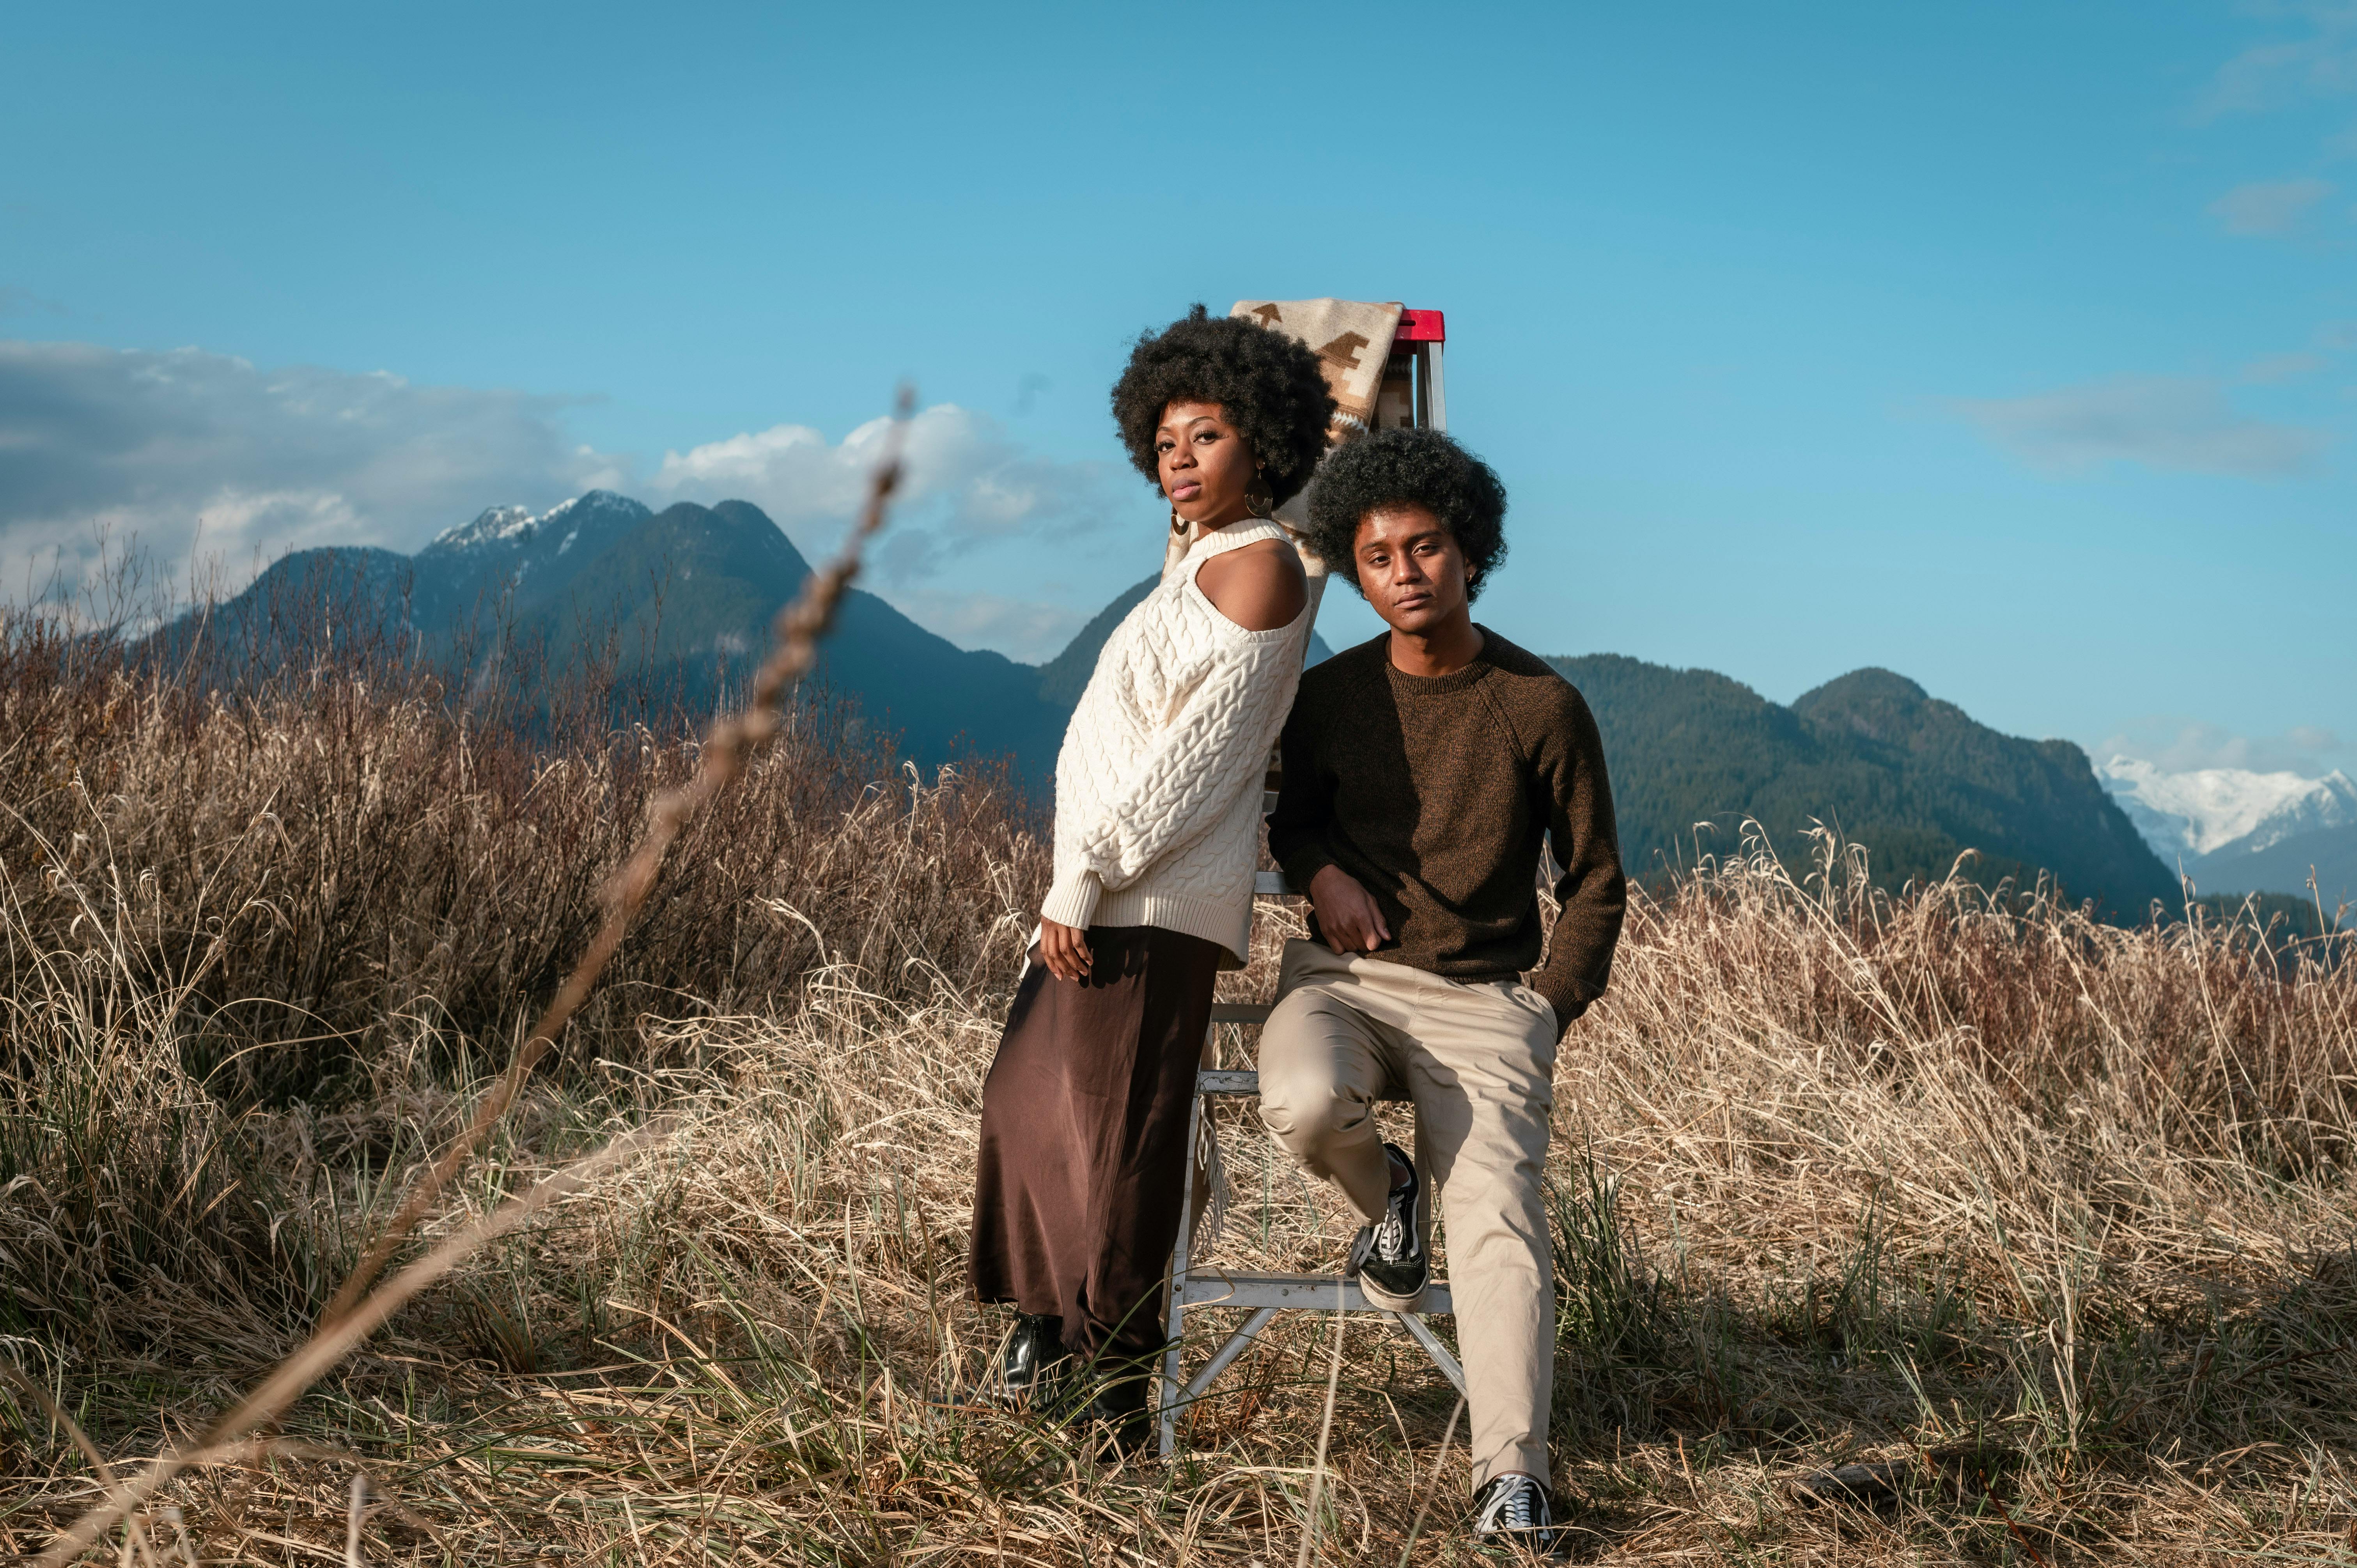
x: 2268, y: 206
x: 1023, y: 629
x: 209, y: 467
x: 17, y: 301
x: 789, y: 470
x: 2268, y: 75
x: 967, y: 484
x: 2176, y: 743
x: 186, y: 455
x: 2269, y: 370
x: 2182, y: 422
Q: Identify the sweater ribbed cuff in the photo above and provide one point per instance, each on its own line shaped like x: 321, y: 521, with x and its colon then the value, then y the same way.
x: 1302, y: 867
x: 1072, y: 901
x: 1563, y: 995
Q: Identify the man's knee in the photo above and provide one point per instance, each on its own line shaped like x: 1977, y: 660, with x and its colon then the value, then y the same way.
x: 1306, y: 1095
x: 1308, y: 1118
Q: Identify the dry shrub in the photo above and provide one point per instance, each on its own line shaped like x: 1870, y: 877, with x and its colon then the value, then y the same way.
x: 1871, y: 1123
x: 315, y: 863
x: 2041, y: 1222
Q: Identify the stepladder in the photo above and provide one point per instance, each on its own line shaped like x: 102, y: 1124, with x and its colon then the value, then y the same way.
x: 1409, y: 393
x: 1262, y: 1295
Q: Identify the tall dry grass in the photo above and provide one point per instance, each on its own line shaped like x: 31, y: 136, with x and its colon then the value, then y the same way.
x: 2040, y: 1224
x: 348, y: 852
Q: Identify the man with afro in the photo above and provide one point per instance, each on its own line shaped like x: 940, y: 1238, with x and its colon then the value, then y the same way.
x: 1424, y: 773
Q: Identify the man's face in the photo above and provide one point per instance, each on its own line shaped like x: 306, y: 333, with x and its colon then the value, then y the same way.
x: 1410, y: 567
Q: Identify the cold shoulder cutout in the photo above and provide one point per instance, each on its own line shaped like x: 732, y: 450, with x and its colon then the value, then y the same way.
x: 1159, y: 783
x: 1259, y: 587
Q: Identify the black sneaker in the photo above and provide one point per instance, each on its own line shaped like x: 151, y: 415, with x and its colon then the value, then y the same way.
x: 1388, y: 1259
x: 1034, y: 1353
x: 1515, y: 1511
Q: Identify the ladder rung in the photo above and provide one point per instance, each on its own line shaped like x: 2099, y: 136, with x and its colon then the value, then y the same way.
x: 1230, y: 1081
x: 1212, y: 1287
x: 1240, y: 1012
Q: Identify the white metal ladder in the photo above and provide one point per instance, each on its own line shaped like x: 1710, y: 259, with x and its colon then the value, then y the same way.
x: 1265, y: 1295
x: 1410, y: 395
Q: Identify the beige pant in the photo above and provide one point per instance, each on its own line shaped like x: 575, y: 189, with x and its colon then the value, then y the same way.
x: 1479, y: 1061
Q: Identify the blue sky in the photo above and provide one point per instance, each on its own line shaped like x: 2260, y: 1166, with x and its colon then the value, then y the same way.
x: 2011, y: 347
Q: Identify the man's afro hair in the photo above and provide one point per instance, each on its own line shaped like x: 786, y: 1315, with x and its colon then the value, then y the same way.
x: 1422, y: 466
x: 1268, y: 384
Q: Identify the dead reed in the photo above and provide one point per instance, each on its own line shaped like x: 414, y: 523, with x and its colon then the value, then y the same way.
x: 2038, y: 1227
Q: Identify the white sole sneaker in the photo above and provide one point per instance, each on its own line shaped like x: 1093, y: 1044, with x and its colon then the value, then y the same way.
x: 1376, y: 1294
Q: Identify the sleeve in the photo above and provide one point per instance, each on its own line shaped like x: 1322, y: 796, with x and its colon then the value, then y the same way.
x: 1305, y: 802
x: 1591, y: 891
x: 1216, y: 746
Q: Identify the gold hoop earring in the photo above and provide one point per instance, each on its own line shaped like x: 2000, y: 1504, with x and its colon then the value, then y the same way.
x: 1177, y: 523
x: 1259, y: 497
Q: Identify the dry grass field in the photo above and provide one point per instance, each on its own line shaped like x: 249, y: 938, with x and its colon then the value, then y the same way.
x: 2044, y: 1223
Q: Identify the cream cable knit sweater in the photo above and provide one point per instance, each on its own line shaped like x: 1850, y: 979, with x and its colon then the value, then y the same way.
x: 1159, y: 783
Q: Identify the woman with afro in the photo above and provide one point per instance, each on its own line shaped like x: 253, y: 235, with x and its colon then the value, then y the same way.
x: 1084, y: 1163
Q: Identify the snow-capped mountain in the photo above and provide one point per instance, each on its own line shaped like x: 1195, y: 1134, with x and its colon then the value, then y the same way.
x: 496, y: 524
x: 515, y: 525
x: 604, y: 584
x: 507, y: 543
x: 2209, y: 809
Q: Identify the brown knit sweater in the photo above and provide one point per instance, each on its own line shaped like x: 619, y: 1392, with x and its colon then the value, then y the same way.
x: 1436, y: 794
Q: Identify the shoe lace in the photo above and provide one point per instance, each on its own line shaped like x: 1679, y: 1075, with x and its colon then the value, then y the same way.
x: 1393, y: 1243
x: 1515, y: 1505
x: 1391, y: 1237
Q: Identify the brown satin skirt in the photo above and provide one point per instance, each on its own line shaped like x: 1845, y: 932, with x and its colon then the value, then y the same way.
x: 1083, y: 1165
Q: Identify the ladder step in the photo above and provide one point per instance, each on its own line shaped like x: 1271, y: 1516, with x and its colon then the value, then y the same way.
x: 1230, y: 1081
x: 1211, y: 1287
x: 1240, y: 1012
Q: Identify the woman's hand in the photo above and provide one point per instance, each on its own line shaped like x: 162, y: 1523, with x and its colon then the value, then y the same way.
x: 1346, y: 915
x: 1065, y: 951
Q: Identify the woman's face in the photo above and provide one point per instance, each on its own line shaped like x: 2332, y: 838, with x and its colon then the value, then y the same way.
x: 1205, y: 466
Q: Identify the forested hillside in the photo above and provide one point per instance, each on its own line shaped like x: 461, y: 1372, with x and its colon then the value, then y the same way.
x: 1915, y: 779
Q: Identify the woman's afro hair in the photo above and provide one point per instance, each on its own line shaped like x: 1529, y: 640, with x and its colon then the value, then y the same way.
x: 1386, y: 468
x: 1268, y: 384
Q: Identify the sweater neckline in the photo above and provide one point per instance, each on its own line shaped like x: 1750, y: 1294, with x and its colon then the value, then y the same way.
x: 1437, y: 685
x: 1236, y: 535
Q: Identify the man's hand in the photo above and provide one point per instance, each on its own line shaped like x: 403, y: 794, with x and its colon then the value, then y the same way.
x: 1346, y: 915
x: 1065, y: 950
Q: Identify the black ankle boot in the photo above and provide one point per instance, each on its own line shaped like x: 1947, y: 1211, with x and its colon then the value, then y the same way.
x: 1034, y: 1353
x: 1121, y: 1408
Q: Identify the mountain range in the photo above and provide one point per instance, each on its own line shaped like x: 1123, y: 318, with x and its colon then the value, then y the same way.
x: 1693, y: 753
x: 690, y: 590
x: 2235, y: 831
